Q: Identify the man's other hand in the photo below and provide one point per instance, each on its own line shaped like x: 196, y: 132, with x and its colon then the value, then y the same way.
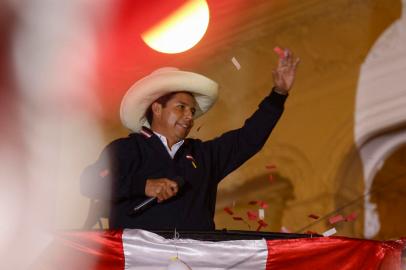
x: 161, y: 188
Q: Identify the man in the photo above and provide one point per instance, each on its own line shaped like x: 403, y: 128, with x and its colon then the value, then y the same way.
x: 160, y: 162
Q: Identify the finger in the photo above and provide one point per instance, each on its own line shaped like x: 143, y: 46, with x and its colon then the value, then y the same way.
x: 168, y: 190
x: 297, y: 61
x: 158, y: 192
x: 174, y: 187
x: 174, y: 190
x: 282, y: 56
x: 160, y: 196
x: 288, y: 54
x: 164, y: 194
x: 291, y: 59
x: 281, y: 64
x: 275, y: 75
x: 170, y: 193
x: 293, y: 64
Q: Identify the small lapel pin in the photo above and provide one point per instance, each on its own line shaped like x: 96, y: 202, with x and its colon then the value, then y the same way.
x: 189, y: 157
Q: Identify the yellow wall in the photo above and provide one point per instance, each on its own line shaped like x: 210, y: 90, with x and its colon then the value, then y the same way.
x: 318, y: 168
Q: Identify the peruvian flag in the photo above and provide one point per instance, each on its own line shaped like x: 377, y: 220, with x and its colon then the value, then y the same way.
x: 138, y: 249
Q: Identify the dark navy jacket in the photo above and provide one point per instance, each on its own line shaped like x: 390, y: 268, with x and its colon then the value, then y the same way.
x: 126, y: 164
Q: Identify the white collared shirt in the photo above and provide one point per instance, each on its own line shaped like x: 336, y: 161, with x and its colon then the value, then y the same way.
x: 175, y: 147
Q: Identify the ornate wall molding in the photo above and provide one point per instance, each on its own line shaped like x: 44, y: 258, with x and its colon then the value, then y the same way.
x: 381, y: 107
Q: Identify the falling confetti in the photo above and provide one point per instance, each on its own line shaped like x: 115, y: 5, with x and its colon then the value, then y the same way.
x: 262, y: 224
x: 241, y: 219
x: 236, y: 64
x: 198, y: 129
x: 284, y: 230
x: 351, y: 217
x: 280, y: 52
x: 336, y: 219
x: 228, y: 211
x: 252, y: 215
x: 261, y: 213
x: 263, y: 204
x: 330, y: 232
x: 270, y: 167
x: 271, y: 179
x: 313, y: 216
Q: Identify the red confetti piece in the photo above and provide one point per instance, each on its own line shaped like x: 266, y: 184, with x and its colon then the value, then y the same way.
x: 263, y: 204
x: 253, y: 202
x: 336, y: 219
x: 351, y: 217
x: 241, y: 219
x: 104, y: 173
x: 313, y: 216
x: 252, y: 215
x: 271, y: 178
x: 228, y: 211
x: 279, y: 51
x: 262, y: 223
x: 271, y: 167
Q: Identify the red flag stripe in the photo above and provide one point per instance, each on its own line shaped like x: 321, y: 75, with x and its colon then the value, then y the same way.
x: 333, y: 253
x: 98, y: 250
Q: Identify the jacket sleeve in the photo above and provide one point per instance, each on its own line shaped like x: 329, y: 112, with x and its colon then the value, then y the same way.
x: 233, y: 148
x: 110, y: 177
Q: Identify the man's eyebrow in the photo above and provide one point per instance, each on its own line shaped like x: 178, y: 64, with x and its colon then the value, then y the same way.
x: 183, y: 103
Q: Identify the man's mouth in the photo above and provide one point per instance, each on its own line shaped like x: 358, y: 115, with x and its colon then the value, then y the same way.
x: 184, y: 126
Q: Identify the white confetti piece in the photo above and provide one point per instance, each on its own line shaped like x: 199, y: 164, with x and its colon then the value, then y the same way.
x: 284, y: 230
x: 236, y: 64
x: 330, y: 232
x: 261, y: 213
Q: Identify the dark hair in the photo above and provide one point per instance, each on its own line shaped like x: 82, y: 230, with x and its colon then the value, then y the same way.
x: 163, y: 100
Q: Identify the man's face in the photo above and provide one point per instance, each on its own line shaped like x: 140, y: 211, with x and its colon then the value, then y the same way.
x: 175, y: 119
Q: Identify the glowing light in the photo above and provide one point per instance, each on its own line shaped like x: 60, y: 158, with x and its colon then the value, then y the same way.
x: 182, y: 30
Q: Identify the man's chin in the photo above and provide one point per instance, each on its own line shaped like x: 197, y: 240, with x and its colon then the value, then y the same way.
x: 182, y: 135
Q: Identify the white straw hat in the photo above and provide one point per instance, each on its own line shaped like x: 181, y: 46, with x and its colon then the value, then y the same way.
x: 159, y: 83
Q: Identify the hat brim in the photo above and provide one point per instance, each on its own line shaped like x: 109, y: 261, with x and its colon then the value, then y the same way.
x: 148, y: 89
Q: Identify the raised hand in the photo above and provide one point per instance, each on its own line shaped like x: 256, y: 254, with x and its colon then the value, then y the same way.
x: 285, y: 73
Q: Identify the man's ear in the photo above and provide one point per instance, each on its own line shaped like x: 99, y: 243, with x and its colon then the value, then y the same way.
x: 156, y: 108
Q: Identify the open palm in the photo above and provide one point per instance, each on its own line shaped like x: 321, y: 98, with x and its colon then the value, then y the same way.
x: 285, y: 73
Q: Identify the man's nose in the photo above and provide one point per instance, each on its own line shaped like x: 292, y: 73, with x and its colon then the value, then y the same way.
x: 188, y: 114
